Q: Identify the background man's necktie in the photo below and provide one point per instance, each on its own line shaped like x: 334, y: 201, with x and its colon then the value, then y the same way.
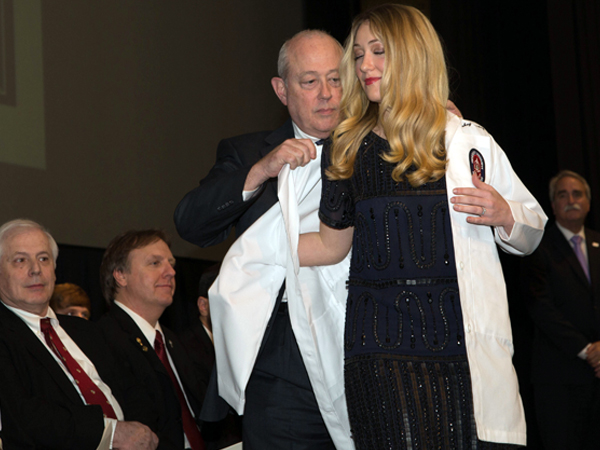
x: 576, y: 240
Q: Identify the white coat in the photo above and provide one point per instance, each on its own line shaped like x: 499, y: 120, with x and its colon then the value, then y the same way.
x: 243, y: 296
x: 498, y: 408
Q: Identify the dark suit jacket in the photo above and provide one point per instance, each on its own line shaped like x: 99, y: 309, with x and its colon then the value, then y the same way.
x: 207, y: 214
x: 15, y: 439
x: 200, y: 348
x: 226, y: 432
x: 564, y: 307
x: 129, y: 344
x: 41, y: 398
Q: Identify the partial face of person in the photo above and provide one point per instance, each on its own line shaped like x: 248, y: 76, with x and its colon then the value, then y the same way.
x: 150, y: 280
x: 27, y: 271
x: 203, y: 306
x: 313, y: 90
x: 571, y: 204
x: 76, y: 311
x: 369, y: 56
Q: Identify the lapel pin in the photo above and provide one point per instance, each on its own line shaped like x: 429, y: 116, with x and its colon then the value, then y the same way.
x: 595, y: 245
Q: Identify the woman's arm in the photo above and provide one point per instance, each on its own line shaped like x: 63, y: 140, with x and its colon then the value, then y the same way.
x: 328, y: 246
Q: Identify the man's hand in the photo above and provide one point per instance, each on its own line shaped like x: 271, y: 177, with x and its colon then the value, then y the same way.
x: 483, y: 201
x: 134, y: 436
x: 593, y: 357
x: 450, y: 106
x: 295, y: 152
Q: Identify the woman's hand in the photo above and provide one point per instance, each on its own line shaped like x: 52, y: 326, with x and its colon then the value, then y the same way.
x: 487, y: 206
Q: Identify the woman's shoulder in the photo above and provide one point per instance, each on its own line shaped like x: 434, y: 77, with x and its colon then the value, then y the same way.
x: 466, y: 126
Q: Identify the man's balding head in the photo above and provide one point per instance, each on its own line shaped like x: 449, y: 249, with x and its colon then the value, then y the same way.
x: 308, y: 82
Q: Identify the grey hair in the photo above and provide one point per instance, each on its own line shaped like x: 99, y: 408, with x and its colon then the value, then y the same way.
x: 283, y: 62
x: 563, y: 174
x: 9, y: 227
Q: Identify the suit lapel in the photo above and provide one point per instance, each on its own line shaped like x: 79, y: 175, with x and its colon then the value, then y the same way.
x: 565, y: 249
x: 138, y: 339
x: 203, y: 337
x: 286, y: 131
x: 181, y: 361
x: 25, y: 337
x: 593, y: 249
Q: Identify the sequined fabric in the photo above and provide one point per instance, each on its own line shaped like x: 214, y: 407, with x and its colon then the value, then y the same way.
x: 407, y: 375
x: 414, y: 403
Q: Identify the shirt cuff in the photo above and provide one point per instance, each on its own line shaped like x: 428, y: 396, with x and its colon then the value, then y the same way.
x: 110, y: 426
x: 583, y: 353
x: 247, y: 195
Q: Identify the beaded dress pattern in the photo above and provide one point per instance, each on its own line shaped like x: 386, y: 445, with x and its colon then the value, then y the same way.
x: 406, y: 371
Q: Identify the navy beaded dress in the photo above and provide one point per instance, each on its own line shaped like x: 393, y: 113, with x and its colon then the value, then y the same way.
x: 406, y: 371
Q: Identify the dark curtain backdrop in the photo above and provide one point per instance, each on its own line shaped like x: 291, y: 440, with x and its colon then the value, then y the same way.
x: 575, y: 63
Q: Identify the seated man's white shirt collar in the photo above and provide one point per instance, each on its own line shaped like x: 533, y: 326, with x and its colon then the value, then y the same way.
x: 148, y: 330
x: 33, y: 322
x: 210, y: 335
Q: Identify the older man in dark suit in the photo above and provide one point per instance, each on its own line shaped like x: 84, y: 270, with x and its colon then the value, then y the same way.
x: 138, y: 280
x: 281, y: 410
x: 561, y: 282
x: 59, y: 382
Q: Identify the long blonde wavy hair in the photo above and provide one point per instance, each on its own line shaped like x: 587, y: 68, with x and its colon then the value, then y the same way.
x: 414, y: 93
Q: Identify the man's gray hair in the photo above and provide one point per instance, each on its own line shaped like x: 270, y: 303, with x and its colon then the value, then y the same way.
x: 567, y: 173
x: 283, y: 62
x: 9, y: 227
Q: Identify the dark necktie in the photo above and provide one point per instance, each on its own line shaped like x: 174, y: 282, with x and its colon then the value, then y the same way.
x: 90, y: 391
x: 189, y: 424
x: 576, y: 240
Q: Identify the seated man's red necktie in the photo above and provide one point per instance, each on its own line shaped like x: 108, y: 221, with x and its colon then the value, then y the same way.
x: 189, y: 424
x: 91, y: 393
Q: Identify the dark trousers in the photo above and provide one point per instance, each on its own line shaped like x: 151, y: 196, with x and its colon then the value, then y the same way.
x: 281, y: 411
x: 568, y: 415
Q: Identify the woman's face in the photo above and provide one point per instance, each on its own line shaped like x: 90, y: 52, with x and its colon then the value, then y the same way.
x: 369, y: 57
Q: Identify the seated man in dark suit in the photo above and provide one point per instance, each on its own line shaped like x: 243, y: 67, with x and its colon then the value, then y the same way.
x: 561, y: 282
x: 198, y: 342
x: 59, y: 382
x: 198, y: 339
x: 138, y: 279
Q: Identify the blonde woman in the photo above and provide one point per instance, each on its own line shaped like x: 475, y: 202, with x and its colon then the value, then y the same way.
x: 422, y: 197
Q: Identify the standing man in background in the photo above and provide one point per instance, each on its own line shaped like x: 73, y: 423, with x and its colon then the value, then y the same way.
x: 561, y: 282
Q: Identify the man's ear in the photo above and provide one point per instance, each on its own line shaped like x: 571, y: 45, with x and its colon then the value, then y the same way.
x: 120, y: 278
x: 203, y: 306
x: 280, y: 89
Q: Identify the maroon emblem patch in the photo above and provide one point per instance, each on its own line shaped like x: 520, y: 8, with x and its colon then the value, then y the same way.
x: 477, y: 164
